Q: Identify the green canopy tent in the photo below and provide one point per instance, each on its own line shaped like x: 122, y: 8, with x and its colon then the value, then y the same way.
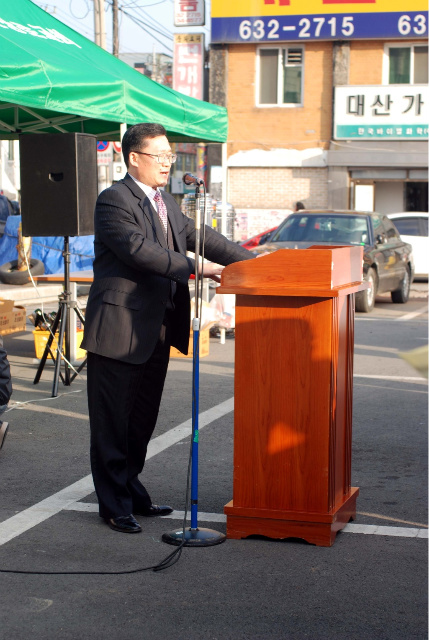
x: 54, y: 80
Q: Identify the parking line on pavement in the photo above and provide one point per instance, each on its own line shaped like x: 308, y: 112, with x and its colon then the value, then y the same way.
x: 412, y: 314
x: 37, y: 408
x: 68, y: 499
x: 29, y: 518
x: 388, y: 319
x: 367, y: 529
x: 411, y: 379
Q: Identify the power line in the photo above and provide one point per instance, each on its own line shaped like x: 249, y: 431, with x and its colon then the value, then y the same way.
x: 66, y: 19
x: 79, y: 17
x: 148, y: 28
x: 155, y: 22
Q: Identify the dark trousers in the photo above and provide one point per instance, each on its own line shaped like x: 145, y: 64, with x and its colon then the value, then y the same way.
x: 123, y: 401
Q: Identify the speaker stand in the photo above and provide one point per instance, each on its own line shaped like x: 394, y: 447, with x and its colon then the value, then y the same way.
x: 62, y: 321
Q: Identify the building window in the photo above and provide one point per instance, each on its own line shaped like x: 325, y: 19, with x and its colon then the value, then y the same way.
x: 408, y: 64
x: 280, y: 76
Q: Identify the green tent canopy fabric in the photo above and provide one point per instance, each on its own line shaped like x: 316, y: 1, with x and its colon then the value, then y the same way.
x: 54, y: 80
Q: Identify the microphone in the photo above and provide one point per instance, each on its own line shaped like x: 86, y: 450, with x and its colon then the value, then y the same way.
x: 189, y: 179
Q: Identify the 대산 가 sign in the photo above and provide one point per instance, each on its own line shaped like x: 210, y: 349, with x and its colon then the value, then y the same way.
x: 303, y: 20
x: 381, y: 111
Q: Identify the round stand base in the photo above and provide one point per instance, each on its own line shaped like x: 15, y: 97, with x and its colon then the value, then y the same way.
x: 194, y: 537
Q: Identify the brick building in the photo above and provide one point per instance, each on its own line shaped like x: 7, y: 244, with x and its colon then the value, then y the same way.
x: 331, y: 122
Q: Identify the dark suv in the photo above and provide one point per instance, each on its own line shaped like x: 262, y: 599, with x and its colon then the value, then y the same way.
x: 388, y: 262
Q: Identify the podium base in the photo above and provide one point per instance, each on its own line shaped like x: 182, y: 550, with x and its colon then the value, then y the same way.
x: 316, y: 528
x: 194, y: 537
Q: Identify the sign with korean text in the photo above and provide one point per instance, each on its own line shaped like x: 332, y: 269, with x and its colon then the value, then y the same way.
x: 395, y: 112
x: 303, y: 20
x: 189, y: 13
x: 188, y: 64
x: 104, y: 152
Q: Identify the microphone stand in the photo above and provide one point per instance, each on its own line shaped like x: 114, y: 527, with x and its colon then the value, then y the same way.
x: 195, y: 536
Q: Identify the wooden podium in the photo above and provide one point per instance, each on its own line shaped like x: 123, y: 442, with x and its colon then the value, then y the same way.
x: 293, y: 393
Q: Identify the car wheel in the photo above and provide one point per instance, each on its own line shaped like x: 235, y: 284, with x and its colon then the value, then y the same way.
x: 365, y: 300
x: 402, y: 294
x: 9, y: 273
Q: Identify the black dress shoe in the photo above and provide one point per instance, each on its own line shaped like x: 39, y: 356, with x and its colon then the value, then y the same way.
x: 125, y: 524
x: 154, y: 510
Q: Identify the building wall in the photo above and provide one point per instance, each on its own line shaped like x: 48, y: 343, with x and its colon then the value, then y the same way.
x: 366, y: 62
x: 252, y: 127
x: 277, y: 187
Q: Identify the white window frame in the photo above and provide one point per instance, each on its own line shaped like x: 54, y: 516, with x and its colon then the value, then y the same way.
x: 279, y: 105
x: 397, y: 45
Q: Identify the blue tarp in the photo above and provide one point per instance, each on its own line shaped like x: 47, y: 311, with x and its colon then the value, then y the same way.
x: 48, y: 249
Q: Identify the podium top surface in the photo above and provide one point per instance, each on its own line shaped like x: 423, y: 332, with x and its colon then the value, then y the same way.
x: 75, y: 276
x: 316, y: 271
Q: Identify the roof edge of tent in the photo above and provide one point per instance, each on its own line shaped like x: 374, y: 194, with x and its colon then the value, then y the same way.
x: 61, y: 120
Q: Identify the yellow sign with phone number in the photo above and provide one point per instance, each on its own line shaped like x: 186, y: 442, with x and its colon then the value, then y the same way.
x: 253, y: 8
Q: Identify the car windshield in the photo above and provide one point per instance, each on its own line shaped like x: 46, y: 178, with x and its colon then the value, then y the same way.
x: 324, y: 228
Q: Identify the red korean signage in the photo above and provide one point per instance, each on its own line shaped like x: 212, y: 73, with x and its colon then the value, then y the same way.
x: 188, y: 64
x: 189, y: 13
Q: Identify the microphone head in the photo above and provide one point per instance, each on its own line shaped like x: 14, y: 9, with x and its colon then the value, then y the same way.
x: 189, y: 179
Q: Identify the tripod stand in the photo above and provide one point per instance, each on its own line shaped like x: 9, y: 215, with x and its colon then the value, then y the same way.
x: 62, y: 320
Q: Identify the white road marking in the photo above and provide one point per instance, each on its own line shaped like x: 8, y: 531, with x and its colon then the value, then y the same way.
x: 43, y: 510
x: 52, y: 410
x: 368, y: 347
x: 68, y: 498
x: 368, y: 529
x: 376, y: 530
x: 29, y: 518
x: 398, y: 378
x: 413, y: 314
x: 388, y: 319
x: 183, y: 430
x: 378, y: 386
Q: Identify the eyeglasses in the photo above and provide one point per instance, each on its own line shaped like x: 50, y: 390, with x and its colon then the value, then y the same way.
x: 161, y: 158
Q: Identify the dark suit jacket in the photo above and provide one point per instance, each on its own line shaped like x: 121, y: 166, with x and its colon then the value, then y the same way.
x: 132, y: 272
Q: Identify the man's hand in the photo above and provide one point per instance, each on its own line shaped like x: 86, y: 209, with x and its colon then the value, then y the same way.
x: 211, y: 270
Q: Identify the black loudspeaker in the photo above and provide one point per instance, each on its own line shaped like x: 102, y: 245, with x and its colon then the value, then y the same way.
x: 59, y: 177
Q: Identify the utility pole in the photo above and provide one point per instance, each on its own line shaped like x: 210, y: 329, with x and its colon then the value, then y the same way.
x: 99, y: 24
x: 115, y: 28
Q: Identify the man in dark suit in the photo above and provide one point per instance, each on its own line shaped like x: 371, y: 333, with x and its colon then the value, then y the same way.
x: 137, y: 308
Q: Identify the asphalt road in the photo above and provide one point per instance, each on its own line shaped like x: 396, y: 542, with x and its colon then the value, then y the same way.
x: 368, y: 586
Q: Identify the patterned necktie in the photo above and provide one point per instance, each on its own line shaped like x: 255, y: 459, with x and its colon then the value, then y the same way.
x: 162, y: 210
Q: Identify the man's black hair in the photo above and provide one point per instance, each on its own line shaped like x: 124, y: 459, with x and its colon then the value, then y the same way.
x: 136, y: 137
x: 299, y: 206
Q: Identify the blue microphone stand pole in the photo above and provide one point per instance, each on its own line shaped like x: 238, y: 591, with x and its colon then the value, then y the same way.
x: 194, y: 536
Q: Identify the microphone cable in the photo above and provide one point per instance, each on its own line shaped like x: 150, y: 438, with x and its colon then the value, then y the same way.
x: 175, y: 555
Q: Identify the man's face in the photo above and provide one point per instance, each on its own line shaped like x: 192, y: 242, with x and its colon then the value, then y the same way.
x: 146, y: 168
